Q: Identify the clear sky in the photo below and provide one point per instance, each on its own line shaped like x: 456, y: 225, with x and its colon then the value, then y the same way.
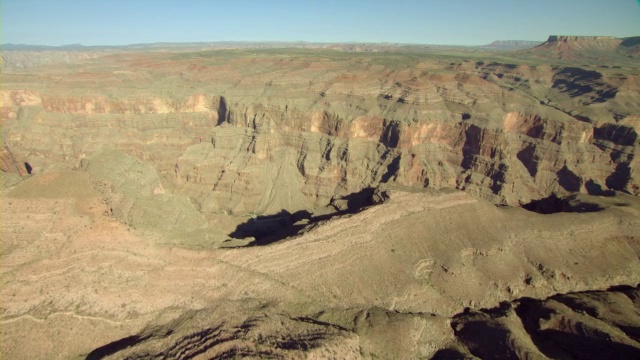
x: 460, y: 22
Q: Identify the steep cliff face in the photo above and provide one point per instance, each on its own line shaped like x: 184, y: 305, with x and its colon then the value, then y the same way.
x: 11, y: 169
x: 527, y: 157
x: 262, y: 142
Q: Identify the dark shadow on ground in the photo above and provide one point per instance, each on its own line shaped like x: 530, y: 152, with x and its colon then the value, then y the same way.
x: 578, y: 82
x: 268, y: 229
x: 554, y: 204
x: 449, y: 354
x: 114, y: 347
x: 594, y: 188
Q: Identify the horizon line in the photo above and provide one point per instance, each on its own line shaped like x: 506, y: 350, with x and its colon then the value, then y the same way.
x: 268, y: 42
x: 296, y: 42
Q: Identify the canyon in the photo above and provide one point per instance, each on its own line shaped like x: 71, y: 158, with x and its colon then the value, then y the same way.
x: 342, y: 202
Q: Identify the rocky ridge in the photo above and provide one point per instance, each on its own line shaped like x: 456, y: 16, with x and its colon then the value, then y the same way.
x: 576, y: 325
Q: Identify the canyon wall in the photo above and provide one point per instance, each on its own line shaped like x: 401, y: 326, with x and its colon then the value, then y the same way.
x: 504, y: 132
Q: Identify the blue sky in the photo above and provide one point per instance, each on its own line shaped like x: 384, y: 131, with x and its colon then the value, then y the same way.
x: 462, y: 22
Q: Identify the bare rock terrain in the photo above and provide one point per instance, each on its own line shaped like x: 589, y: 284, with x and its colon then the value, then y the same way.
x: 323, y: 203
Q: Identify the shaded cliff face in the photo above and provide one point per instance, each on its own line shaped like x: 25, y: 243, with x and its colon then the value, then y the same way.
x: 251, y: 132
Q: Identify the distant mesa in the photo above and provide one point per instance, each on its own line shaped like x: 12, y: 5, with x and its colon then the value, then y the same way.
x: 609, y: 43
x: 568, y: 38
x: 512, y: 45
x: 569, y: 47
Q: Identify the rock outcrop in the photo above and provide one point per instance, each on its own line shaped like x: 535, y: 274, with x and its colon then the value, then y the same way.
x: 236, y: 330
x: 585, y: 325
